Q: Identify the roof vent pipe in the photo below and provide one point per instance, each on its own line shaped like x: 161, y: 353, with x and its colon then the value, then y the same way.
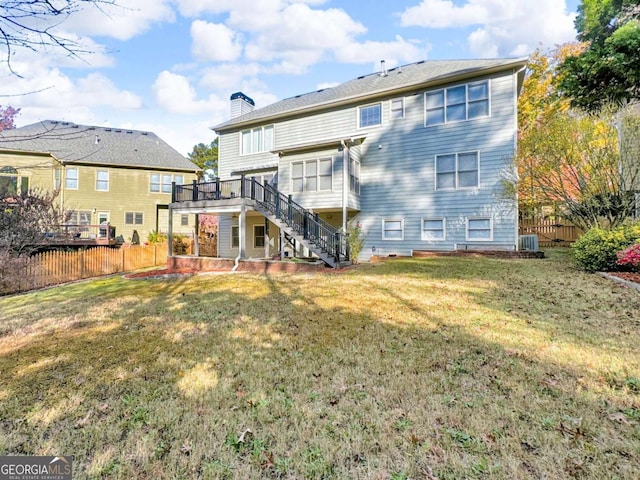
x: 383, y: 68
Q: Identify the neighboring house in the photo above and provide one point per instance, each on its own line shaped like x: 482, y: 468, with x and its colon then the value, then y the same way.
x: 416, y: 155
x: 103, y: 174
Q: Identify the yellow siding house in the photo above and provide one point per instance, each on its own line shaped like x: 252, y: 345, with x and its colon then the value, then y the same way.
x: 104, y: 174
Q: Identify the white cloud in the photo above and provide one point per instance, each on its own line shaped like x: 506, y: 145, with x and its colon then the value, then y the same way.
x: 228, y: 76
x: 124, y: 20
x: 504, y: 28
x: 214, y: 42
x: 394, y: 53
x: 175, y: 94
x: 302, y: 36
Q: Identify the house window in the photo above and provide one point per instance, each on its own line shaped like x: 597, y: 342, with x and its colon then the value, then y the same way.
x: 162, y: 182
x: 235, y: 236
x: 457, y: 170
x: 397, y: 108
x: 257, y: 140
x: 393, y: 229
x: 433, y: 229
x: 354, y: 175
x: 8, y: 181
x: 71, y: 181
x: 184, y: 220
x: 102, y: 180
x: 258, y: 236
x: 454, y: 104
x: 370, y: 115
x: 312, y: 175
x: 480, y: 228
x: 133, y: 218
x: 79, y: 217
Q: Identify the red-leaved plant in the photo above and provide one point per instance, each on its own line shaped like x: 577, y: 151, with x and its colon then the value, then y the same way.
x: 630, y: 257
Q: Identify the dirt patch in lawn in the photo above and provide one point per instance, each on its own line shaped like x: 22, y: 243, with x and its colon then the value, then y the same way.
x: 161, y: 273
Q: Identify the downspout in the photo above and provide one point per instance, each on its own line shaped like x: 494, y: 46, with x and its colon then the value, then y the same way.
x: 345, y: 182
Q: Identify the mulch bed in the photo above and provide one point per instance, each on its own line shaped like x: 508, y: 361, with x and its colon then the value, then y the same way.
x: 164, y: 272
x: 629, y: 276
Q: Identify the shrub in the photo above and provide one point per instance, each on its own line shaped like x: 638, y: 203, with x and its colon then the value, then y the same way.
x: 596, y: 250
x: 356, y: 241
x: 630, y: 257
x: 156, y: 237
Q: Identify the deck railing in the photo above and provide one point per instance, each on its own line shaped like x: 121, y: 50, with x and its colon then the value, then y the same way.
x: 304, y: 223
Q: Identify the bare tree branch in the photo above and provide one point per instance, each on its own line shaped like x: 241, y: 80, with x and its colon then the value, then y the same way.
x: 31, y: 24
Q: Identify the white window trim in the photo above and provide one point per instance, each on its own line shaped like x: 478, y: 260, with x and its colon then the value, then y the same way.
x: 304, y: 175
x: 77, y: 179
x: 392, y: 219
x: 108, y: 180
x: 161, y: 184
x: 107, y: 212
x: 263, y: 236
x: 467, y: 119
x: 360, y: 127
x: 391, y: 110
x: 456, y: 187
x: 444, y: 229
x: 264, y: 150
x: 490, y: 239
x: 231, y: 236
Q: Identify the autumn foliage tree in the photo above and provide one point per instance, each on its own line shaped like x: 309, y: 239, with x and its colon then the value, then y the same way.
x: 8, y: 115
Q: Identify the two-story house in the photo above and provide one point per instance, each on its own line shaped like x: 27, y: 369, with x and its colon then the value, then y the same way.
x: 417, y: 155
x: 119, y: 176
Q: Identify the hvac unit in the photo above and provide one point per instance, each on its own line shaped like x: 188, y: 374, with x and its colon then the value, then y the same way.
x: 528, y: 242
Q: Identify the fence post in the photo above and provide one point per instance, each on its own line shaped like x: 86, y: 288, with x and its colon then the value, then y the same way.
x: 289, y: 209
x: 123, y: 259
x: 217, y: 193
x: 173, y: 192
x: 81, y: 260
x: 194, y: 193
x: 253, y: 188
x: 242, y: 186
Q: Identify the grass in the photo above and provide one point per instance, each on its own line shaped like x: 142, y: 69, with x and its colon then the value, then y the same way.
x: 444, y: 368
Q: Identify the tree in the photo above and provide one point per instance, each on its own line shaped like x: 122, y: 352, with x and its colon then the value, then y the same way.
x: 32, y: 24
x: 608, y: 71
x: 26, y: 219
x: 7, y: 117
x: 539, y: 99
x: 206, y: 157
x: 579, y: 167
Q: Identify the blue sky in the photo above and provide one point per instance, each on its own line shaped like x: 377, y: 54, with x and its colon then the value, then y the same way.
x: 169, y: 66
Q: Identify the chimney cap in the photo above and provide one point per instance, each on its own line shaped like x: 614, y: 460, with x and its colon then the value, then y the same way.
x: 244, y: 97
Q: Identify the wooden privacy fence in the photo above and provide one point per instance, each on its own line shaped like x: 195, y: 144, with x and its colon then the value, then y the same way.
x: 54, y: 267
x: 551, y: 233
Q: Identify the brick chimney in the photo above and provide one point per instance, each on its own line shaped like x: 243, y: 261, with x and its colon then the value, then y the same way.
x: 241, y: 104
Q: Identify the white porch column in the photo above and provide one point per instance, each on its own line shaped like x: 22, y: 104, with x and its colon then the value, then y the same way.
x: 170, y: 239
x: 266, y: 238
x: 242, y: 224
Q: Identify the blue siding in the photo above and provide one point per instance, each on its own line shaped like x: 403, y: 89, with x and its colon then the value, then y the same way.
x: 398, y: 169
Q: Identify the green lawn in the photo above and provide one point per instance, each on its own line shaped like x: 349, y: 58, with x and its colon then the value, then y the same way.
x: 444, y: 368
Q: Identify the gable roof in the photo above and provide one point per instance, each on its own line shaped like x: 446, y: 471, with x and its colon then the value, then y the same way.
x: 85, y: 144
x: 399, y: 79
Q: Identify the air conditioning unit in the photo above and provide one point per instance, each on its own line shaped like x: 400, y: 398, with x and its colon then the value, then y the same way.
x: 528, y: 242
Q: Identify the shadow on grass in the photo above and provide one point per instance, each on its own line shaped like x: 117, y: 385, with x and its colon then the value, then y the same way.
x: 405, y: 367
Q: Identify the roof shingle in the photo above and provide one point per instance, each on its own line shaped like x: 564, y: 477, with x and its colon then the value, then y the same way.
x: 69, y: 142
x: 407, y: 76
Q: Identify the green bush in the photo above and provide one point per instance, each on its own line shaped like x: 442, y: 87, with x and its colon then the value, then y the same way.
x: 596, y: 250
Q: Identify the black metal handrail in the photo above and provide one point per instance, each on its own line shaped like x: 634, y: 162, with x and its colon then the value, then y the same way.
x: 311, y: 227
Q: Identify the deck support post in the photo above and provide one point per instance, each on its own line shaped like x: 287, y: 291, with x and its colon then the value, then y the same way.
x: 242, y: 225
x: 266, y: 238
x: 170, y: 239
